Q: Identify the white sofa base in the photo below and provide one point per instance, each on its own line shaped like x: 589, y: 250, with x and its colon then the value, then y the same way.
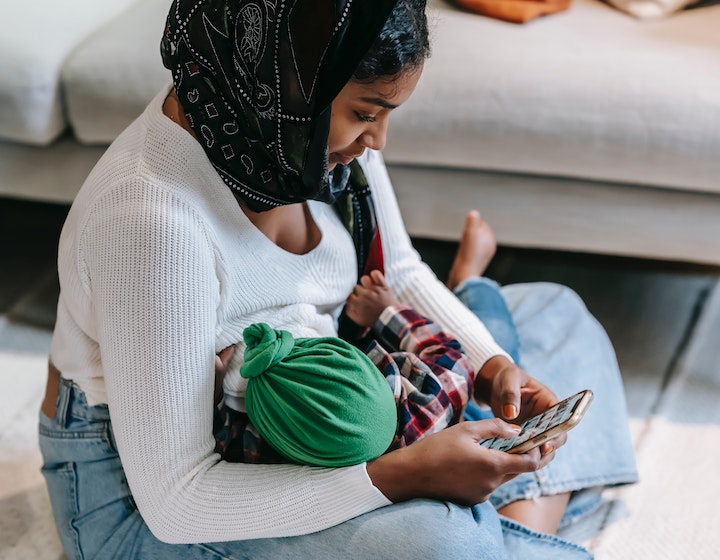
x: 525, y: 210
x: 51, y: 174
x: 565, y: 214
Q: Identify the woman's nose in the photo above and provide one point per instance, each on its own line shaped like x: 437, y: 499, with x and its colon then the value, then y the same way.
x: 375, y: 137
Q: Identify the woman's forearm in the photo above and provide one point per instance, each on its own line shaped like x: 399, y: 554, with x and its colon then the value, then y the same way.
x: 451, y: 465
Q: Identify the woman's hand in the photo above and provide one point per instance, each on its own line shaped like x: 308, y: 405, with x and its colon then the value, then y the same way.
x: 452, y: 465
x: 221, y: 365
x: 514, y: 395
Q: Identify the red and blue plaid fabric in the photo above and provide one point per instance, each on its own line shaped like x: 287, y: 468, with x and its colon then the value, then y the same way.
x: 430, y: 375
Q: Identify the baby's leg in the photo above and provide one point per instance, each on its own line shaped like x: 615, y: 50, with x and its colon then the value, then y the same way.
x: 476, y: 250
x: 480, y: 294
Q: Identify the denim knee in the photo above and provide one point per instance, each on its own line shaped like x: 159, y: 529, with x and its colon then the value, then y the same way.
x: 567, y: 297
x: 555, y: 295
x: 484, y: 298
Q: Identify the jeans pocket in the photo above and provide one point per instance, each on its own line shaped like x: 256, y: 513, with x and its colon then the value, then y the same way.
x: 61, y: 483
x: 90, y: 496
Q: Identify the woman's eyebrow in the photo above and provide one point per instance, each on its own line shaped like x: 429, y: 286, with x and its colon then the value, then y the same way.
x: 378, y: 101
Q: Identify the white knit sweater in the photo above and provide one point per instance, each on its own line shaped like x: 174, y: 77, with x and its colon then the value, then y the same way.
x: 159, y: 270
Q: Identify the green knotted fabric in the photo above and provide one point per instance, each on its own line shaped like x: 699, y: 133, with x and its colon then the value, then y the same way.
x: 318, y: 401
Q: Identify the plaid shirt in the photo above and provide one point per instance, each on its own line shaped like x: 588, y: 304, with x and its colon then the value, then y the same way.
x: 430, y: 376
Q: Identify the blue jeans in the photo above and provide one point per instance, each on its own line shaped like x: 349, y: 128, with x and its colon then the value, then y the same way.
x: 96, y: 516
x: 484, y: 297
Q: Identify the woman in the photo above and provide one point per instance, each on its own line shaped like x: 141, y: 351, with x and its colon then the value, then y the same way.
x: 215, y: 206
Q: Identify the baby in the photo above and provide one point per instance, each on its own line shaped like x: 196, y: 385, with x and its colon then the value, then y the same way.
x: 322, y: 401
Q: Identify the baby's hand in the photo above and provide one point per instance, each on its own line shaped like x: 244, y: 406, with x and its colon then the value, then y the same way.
x: 369, y: 299
x: 222, y: 361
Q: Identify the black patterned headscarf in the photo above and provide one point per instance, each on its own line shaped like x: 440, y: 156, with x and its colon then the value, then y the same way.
x: 256, y: 79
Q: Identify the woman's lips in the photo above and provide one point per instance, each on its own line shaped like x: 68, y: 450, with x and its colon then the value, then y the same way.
x: 342, y: 159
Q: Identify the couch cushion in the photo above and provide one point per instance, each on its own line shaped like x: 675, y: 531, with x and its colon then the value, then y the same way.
x: 34, y: 48
x: 115, y: 73
x: 651, y: 9
x: 590, y: 93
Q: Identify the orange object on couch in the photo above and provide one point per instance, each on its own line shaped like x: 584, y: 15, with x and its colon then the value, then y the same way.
x: 515, y: 11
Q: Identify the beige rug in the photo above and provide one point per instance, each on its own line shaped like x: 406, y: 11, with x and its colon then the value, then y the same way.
x: 672, y: 514
x: 674, y: 511
x: 26, y: 526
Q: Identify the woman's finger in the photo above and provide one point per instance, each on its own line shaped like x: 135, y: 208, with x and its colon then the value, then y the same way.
x: 525, y: 462
x: 509, y: 389
x: 554, y: 443
x: 494, y: 427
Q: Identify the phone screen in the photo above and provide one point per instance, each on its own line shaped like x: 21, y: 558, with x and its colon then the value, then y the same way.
x: 563, y: 415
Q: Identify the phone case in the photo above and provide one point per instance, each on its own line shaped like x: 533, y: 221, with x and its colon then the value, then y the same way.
x: 559, y: 418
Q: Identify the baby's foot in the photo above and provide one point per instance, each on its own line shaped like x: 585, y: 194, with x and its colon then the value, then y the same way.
x: 369, y: 299
x: 476, y: 250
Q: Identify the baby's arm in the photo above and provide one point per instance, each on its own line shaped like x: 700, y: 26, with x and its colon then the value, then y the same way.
x: 431, y: 377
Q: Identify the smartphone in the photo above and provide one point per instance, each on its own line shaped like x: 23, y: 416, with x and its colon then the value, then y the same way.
x: 546, y: 425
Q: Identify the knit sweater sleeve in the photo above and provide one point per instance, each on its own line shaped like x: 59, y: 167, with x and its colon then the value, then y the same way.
x: 413, y: 281
x: 150, y: 270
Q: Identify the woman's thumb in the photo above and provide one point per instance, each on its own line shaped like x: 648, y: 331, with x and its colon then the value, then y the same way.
x: 495, y: 427
x: 510, y: 396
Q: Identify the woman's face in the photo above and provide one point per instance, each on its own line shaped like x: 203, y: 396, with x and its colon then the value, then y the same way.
x: 360, y: 114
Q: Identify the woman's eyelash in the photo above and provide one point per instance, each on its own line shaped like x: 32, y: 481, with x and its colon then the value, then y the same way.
x: 364, y: 118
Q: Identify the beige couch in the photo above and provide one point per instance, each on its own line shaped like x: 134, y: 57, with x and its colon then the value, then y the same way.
x: 586, y: 131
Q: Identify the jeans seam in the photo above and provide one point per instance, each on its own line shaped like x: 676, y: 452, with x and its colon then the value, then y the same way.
x: 553, y: 540
x: 621, y: 478
x: 535, y: 488
x: 63, y: 404
x: 76, y: 509
x: 110, y: 437
x: 85, y: 434
x: 209, y: 548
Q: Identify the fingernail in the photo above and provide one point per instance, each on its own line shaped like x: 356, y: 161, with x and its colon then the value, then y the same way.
x: 549, y: 448
x: 509, y: 411
x: 515, y: 427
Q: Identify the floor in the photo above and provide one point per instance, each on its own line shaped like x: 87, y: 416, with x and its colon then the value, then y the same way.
x: 663, y: 320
